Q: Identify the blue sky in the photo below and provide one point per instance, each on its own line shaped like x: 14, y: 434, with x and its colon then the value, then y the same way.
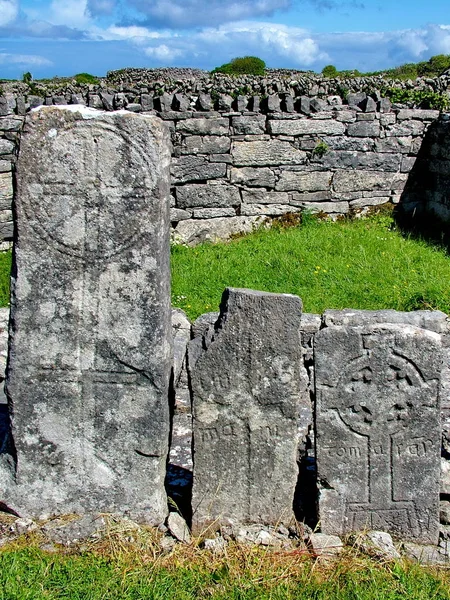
x: 65, y: 37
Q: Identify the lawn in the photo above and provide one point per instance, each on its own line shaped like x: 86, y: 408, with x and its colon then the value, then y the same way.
x: 364, y: 263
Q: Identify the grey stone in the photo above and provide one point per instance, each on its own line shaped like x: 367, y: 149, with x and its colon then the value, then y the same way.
x: 287, y: 103
x: 77, y: 99
x: 217, y: 545
x: 94, y: 101
x: 241, y: 103
x: 367, y: 201
x: 310, y: 197
x: 355, y: 99
x: 349, y: 144
x: 146, y: 102
x: 22, y: 526
x: 224, y: 102
x: 253, y: 125
x: 350, y: 181
x: 444, y: 512
x: 178, y: 528
x: 178, y: 214
x: 273, y: 103
x: 203, y: 323
x: 377, y: 161
x: 417, y: 113
x: 212, y: 213
x: 6, y: 146
x: 248, y: 387
x: 306, y: 127
x: 325, y: 545
x: 21, y: 105
x: 207, y: 196
x: 394, y: 144
x: 270, y: 210
x: 6, y: 188
x: 334, y: 207
x: 304, y: 105
x: 433, y: 320
x: 203, y: 126
x: 364, y: 129
x: 196, y: 168
x: 35, y: 101
x: 107, y: 100
x: 406, y: 128
x: 266, y: 153
x: 59, y: 100
x: 5, y: 166
x: 197, y: 231
x: 5, y: 108
x: 384, y: 105
x: 378, y: 430
x: 313, y: 181
x: 369, y: 105
x: 91, y: 357
x: 424, y: 554
x: 253, y: 176
x: 346, y: 116
x: 369, y: 116
x: 134, y: 107
x: 76, y: 530
x: 11, y: 123
x: 120, y: 101
x: 318, y: 105
x: 378, y: 544
x: 204, y: 102
x: 164, y: 102
x: 264, y: 197
x: 208, y: 144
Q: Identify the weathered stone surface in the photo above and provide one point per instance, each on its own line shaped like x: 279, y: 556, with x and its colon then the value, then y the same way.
x: 201, y: 126
x: 334, y: 207
x: 406, y: 128
x: 90, y: 360
x: 433, y: 320
x: 12, y: 123
x: 364, y: 129
x: 325, y: 545
x: 208, y: 144
x: 196, y: 231
x: 378, y: 544
x: 212, y: 213
x: 394, y: 144
x: 346, y: 143
x: 264, y: 197
x: 377, y: 427
x: 270, y: 210
x: 306, y: 127
x: 6, y: 146
x: 417, y: 113
x: 249, y: 125
x: 6, y: 188
x: 266, y: 153
x: 253, y: 176
x: 349, y: 181
x: 207, y: 196
x: 178, y: 528
x: 248, y: 387
x: 196, y: 168
x: 313, y: 181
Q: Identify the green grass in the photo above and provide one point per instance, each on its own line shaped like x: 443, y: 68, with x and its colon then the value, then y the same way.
x: 189, y: 573
x: 364, y: 263
x: 5, y: 272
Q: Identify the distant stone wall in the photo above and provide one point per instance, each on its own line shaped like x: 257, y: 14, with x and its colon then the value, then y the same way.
x: 234, y: 167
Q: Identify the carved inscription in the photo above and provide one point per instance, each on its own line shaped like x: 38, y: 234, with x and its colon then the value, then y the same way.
x: 384, y: 398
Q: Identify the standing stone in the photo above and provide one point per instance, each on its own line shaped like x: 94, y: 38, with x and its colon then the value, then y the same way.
x: 90, y: 355
x: 249, y: 387
x: 378, y: 433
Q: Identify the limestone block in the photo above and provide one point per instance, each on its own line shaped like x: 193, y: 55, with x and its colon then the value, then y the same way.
x: 417, y: 113
x: 248, y: 387
x: 364, y: 129
x: 212, y: 213
x: 91, y: 354
x: 12, y: 123
x: 251, y: 125
x: 208, y: 144
x: 196, y: 168
x: 270, y: 210
x: 406, y: 128
x: 207, y: 196
x: 264, y: 197
x: 266, y: 153
x: 378, y: 161
x: 334, y: 207
x: 6, y: 189
x: 378, y: 429
x: 306, y: 127
x: 348, y: 181
x: 400, y: 144
x: 253, y: 176
x: 197, y: 231
x: 203, y: 126
x: 313, y: 181
x: 349, y: 144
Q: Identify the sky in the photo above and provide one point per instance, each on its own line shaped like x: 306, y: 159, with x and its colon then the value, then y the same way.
x: 64, y: 37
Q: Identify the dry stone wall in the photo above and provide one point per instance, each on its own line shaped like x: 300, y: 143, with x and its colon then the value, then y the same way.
x: 234, y: 168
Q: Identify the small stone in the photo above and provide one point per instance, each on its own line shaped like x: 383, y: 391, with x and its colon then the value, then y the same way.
x: 377, y: 543
x: 444, y: 512
x: 424, y: 554
x: 22, y: 526
x: 178, y: 528
x: 323, y: 545
x: 216, y: 545
x: 167, y: 544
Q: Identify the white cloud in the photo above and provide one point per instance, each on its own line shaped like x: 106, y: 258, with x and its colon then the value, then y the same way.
x: 24, y: 59
x: 100, y: 7
x: 9, y: 9
x: 69, y: 12
x: 163, y: 53
x: 133, y: 31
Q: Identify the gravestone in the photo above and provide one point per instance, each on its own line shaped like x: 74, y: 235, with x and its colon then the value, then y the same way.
x: 249, y: 387
x: 378, y: 429
x: 90, y: 353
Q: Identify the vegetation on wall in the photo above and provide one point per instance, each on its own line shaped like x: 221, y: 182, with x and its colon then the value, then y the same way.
x: 245, y: 65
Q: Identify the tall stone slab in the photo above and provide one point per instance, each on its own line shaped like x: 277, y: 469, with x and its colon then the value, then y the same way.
x: 249, y: 387
x: 378, y: 429
x: 90, y: 353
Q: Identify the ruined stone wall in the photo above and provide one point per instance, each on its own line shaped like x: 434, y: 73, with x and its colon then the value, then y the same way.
x: 237, y: 162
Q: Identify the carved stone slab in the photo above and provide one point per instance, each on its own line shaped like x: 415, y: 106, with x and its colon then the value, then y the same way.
x: 249, y: 387
x: 378, y: 429
x: 90, y: 354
